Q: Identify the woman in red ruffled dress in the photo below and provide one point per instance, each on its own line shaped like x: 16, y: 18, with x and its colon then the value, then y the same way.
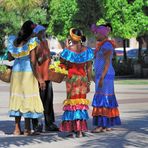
x: 78, y: 59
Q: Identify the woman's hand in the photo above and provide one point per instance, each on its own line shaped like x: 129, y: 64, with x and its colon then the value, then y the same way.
x: 101, y: 82
x: 42, y: 84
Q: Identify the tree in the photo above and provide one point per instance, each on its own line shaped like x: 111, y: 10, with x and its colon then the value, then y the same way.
x: 88, y: 12
x: 61, y: 15
x: 20, y: 6
x: 65, y: 14
x: 142, y: 23
x: 11, y: 18
x: 127, y: 19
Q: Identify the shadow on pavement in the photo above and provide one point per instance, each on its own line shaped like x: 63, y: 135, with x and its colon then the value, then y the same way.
x: 132, y: 133
x: 8, y: 139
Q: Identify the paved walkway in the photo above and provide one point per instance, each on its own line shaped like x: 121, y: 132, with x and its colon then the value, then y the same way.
x: 133, y: 133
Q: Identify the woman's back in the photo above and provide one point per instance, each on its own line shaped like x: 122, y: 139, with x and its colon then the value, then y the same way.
x: 21, y: 54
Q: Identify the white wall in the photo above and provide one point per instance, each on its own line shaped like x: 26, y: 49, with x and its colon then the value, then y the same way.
x: 133, y: 43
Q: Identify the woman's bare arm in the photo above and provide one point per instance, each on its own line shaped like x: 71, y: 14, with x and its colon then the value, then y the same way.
x: 34, y: 65
x: 107, y: 63
x: 106, y: 67
x: 10, y: 57
x: 89, y: 70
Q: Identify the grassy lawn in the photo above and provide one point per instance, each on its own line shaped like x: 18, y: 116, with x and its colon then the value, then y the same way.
x: 132, y: 81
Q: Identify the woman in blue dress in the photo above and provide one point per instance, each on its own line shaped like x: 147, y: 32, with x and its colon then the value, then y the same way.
x: 24, y: 90
x: 105, y: 107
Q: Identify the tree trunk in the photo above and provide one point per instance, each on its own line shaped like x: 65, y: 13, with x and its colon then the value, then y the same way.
x: 140, y: 48
x: 124, y: 51
x: 146, y: 41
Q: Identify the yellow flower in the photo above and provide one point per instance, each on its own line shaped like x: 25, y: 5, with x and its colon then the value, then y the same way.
x: 56, y: 67
x: 51, y: 67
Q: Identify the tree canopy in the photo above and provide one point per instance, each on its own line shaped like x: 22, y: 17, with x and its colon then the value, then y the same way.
x: 14, y: 12
x: 65, y: 14
x: 127, y: 19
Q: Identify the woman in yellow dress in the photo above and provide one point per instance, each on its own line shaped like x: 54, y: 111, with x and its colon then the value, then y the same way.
x: 24, y: 89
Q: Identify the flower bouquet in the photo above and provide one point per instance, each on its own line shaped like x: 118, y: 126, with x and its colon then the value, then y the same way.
x: 5, y: 73
x: 57, y: 72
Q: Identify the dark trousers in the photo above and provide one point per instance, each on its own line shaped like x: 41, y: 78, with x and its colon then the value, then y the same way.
x: 47, y: 100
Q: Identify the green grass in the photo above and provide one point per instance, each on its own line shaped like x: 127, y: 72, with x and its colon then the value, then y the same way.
x: 132, y: 82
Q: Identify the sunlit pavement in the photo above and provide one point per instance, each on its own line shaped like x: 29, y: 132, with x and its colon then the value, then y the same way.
x: 133, y: 133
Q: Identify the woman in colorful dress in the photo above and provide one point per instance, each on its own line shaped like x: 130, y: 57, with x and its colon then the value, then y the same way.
x: 24, y: 90
x: 78, y: 59
x: 105, y: 107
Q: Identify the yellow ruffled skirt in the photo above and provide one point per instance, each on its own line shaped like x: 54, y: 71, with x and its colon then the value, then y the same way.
x: 24, y: 96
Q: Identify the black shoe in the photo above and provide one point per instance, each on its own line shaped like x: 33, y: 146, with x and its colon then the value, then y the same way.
x: 52, y: 127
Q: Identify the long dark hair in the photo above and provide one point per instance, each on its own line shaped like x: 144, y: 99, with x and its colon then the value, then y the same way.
x: 25, y: 32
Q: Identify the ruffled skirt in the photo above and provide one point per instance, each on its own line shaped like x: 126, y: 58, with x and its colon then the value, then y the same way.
x: 75, y: 106
x: 24, y: 96
x: 105, y: 107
